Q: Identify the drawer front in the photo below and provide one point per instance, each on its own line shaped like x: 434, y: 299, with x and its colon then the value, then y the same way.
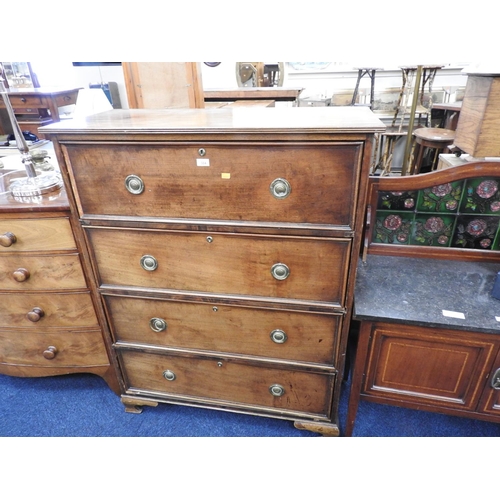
x: 52, y: 350
x: 223, y: 263
x: 58, y: 310
x: 277, y: 334
x: 25, y: 101
x: 228, y: 182
x: 66, y: 99
x: 228, y: 381
x: 36, y: 272
x: 38, y: 234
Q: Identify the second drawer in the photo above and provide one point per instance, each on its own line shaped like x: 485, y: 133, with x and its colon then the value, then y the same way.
x: 312, y: 269
x: 37, y: 272
x: 299, y: 336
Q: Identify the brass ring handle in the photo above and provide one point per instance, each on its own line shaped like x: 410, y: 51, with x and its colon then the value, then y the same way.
x: 280, y: 188
x: 149, y: 263
x: 36, y: 314
x: 50, y: 352
x: 278, y: 336
x: 157, y: 324
x: 7, y: 239
x: 277, y: 390
x: 134, y: 184
x: 21, y: 274
x: 495, y: 380
x: 169, y: 375
x: 280, y: 271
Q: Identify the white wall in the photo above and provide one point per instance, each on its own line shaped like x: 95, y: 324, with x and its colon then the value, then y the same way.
x: 323, y: 83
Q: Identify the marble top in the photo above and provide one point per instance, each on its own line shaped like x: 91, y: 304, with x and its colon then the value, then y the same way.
x: 428, y: 292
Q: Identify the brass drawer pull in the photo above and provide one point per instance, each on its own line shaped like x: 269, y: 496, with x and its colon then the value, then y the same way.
x: 134, y: 184
x: 7, y: 239
x: 280, y: 188
x: 157, y: 324
x: 149, y: 263
x: 277, y: 390
x: 21, y: 274
x: 36, y: 314
x: 279, y: 336
x: 280, y: 271
x: 495, y: 381
x: 169, y: 375
x: 50, y: 352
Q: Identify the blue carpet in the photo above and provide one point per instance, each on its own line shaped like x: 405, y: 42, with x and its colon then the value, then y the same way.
x: 82, y: 405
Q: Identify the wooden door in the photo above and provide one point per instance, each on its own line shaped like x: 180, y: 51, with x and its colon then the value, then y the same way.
x: 163, y: 84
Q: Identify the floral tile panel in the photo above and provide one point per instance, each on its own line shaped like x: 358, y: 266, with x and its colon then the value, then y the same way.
x: 461, y: 214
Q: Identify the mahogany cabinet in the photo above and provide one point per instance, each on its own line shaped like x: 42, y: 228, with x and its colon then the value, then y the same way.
x: 221, y: 245
x: 427, y: 368
x: 48, y: 322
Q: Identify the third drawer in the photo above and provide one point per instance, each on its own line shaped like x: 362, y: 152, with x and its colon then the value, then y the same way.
x: 299, y: 336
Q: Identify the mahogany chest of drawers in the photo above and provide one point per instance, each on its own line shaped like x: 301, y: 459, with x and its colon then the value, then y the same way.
x: 221, y: 244
x: 48, y: 322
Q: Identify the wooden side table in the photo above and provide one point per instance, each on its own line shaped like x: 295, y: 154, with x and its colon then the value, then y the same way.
x: 39, y: 106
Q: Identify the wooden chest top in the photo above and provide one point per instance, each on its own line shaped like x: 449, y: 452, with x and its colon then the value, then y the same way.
x: 199, y: 121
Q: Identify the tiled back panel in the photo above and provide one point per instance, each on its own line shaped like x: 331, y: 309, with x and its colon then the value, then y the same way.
x: 461, y: 214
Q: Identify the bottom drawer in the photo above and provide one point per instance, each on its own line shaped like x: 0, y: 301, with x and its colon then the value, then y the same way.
x: 229, y: 382
x: 55, y: 350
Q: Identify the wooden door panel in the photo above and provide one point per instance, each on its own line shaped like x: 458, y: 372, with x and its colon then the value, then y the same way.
x: 439, y: 366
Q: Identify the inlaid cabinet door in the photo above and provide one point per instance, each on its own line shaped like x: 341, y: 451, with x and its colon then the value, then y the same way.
x: 431, y: 366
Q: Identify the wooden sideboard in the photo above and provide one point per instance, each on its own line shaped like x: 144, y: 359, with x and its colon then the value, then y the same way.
x: 221, y: 244
x: 429, y: 334
x: 48, y: 322
x: 39, y: 106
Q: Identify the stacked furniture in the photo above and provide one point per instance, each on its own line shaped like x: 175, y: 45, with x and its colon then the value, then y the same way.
x: 48, y: 321
x: 220, y: 244
x: 429, y: 334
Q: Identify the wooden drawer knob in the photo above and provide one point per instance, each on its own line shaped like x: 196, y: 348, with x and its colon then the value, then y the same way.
x: 7, y: 239
x: 36, y: 314
x: 50, y: 352
x: 21, y: 274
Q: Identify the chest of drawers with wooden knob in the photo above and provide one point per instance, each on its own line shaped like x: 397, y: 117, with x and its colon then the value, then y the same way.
x: 221, y: 244
x: 48, y: 322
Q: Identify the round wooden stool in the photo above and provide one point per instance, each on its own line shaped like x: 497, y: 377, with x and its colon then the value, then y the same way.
x: 437, y: 139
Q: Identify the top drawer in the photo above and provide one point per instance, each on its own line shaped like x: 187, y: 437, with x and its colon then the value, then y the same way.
x: 26, y: 101
x: 314, y: 183
x: 26, y: 235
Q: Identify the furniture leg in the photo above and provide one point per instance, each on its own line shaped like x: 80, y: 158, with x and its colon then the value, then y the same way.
x: 357, y: 376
